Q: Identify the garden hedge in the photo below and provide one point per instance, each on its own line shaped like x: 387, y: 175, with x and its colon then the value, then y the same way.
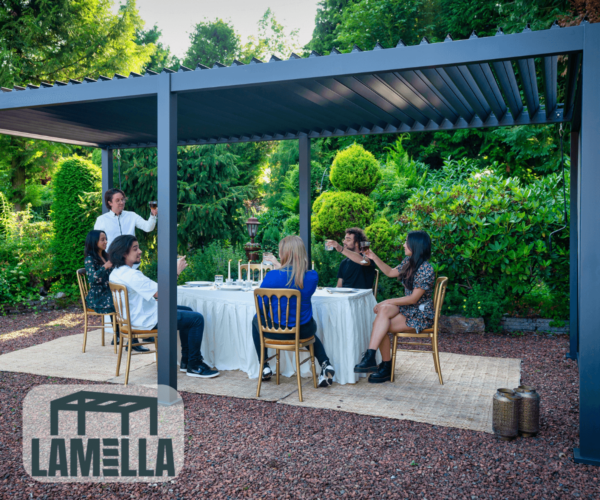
x: 74, y: 177
x: 355, y: 169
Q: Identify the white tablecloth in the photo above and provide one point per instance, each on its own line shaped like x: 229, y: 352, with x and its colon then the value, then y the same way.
x: 343, y: 325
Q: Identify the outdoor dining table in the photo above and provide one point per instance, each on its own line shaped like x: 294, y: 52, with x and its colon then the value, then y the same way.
x: 343, y: 324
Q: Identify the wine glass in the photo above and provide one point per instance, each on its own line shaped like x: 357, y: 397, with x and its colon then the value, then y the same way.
x: 153, y: 204
x: 364, y: 246
x: 219, y: 281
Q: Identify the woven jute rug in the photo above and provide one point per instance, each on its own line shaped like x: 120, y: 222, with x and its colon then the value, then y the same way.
x: 464, y: 401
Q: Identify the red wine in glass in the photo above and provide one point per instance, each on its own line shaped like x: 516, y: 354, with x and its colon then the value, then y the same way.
x: 364, y: 246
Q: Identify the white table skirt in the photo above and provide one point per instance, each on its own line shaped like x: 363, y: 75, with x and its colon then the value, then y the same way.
x: 343, y: 324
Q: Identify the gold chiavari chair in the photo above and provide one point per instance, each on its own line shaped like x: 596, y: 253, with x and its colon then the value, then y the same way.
x: 429, y: 333
x: 266, y: 294
x: 128, y: 333
x: 87, y: 312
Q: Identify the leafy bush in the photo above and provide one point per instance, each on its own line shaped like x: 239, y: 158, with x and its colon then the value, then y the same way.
x: 339, y: 211
x: 205, y: 263
x: 74, y: 177
x: 541, y: 302
x: 14, y: 285
x: 356, y: 170
x: 493, y: 231
x: 270, y: 241
x: 326, y: 264
x: 27, y: 240
x: 273, y: 217
x: 318, y: 203
x: 477, y: 302
x: 292, y: 226
x: 392, y: 192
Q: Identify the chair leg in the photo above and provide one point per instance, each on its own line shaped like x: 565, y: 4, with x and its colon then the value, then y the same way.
x: 129, y: 349
x: 119, y: 356
x: 439, y: 366
x: 260, y: 368
x: 394, y: 350
x: 114, y: 333
x: 312, y: 364
x: 298, y: 374
x: 277, y: 353
x: 85, y: 328
x: 103, y: 330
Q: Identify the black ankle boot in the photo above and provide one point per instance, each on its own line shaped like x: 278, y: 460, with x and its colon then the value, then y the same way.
x: 368, y: 363
x: 384, y: 374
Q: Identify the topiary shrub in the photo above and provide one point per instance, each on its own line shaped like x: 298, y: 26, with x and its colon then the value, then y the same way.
x: 291, y: 226
x: 74, y: 177
x: 384, y: 238
x: 319, y: 201
x: 356, y: 170
x: 339, y: 211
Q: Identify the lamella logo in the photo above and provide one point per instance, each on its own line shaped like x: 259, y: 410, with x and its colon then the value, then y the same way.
x: 100, y: 434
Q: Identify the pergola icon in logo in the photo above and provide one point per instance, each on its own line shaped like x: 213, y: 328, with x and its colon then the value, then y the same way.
x: 103, y: 402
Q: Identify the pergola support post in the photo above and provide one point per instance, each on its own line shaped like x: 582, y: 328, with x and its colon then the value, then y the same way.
x: 167, y: 241
x: 107, y: 174
x: 589, y: 256
x: 305, y: 205
x: 574, y: 248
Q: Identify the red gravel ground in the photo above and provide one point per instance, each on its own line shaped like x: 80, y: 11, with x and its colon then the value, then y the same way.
x: 253, y: 449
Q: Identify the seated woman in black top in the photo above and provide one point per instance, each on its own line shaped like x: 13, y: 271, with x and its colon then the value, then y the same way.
x: 414, y: 310
x: 98, y: 268
x: 352, y: 272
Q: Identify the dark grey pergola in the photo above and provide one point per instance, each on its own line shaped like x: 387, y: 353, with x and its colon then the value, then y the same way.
x: 443, y: 86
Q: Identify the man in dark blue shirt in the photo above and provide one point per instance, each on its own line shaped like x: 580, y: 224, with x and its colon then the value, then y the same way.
x: 353, y: 273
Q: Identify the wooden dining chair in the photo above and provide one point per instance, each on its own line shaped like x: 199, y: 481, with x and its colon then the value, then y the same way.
x: 376, y: 283
x: 266, y: 295
x: 127, y: 332
x: 87, y: 312
x: 255, y: 270
x: 429, y: 333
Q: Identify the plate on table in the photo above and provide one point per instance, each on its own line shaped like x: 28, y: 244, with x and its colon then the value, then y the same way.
x: 199, y: 283
x: 230, y: 288
x: 341, y: 290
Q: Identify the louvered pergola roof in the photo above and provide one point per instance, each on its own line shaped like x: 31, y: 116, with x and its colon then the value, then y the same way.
x: 479, y: 82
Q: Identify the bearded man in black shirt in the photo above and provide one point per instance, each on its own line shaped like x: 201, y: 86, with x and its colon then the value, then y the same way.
x: 352, y: 272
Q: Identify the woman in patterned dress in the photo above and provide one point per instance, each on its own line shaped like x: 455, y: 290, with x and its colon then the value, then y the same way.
x: 98, y: 269
x: 414, y: 310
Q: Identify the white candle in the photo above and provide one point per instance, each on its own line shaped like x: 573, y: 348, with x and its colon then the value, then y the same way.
x: 313, y: 265
x: 229, y: 270
x: 240, y: 269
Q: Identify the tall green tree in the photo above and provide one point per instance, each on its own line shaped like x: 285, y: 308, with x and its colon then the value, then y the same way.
x: 211, y: 42
x: 162, y: 57
x: 47, y: 40
x: 328, y: 19
x: 272, y: 40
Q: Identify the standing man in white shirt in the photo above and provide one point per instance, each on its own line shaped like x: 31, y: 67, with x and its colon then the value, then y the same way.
x: 118, y: 221
x: 143, y: 292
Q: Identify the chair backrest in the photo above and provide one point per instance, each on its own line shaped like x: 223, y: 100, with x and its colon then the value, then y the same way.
x: 438, y: 299
x: 266, y: 295
x: 83, y: 286
x: 121, y: 302
x: 376, y: 283
x: 253, y: 268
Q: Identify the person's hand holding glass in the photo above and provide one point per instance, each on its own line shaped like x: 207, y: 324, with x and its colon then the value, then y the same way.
x: 364, y: 247
x: 331, y: 244
x: 181, y: 265
x: 153, y: 207
x: 270, y: 260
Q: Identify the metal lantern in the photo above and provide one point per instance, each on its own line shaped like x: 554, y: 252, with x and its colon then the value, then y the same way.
x: 252, y: 248
x: 529, y: 412
x: 505, y: 423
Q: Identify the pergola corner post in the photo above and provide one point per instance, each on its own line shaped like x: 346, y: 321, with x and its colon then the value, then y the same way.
x: 167, y: 241
x: 107, y: 174
x: 589, y: 256
x: 305, y: 205
x: 574, y: 271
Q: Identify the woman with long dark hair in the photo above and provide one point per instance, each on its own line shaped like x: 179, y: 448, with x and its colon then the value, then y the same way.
x: 414, y: 310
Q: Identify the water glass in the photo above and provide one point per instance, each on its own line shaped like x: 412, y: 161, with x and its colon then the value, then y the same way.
x: 266, y: 262
x: 218, y: 281
x: 247, y: 285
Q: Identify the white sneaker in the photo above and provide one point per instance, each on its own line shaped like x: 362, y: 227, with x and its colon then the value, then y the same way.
x: 267, y: 373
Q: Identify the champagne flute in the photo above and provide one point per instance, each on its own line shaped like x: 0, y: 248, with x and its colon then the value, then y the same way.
x: 364, y: 246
